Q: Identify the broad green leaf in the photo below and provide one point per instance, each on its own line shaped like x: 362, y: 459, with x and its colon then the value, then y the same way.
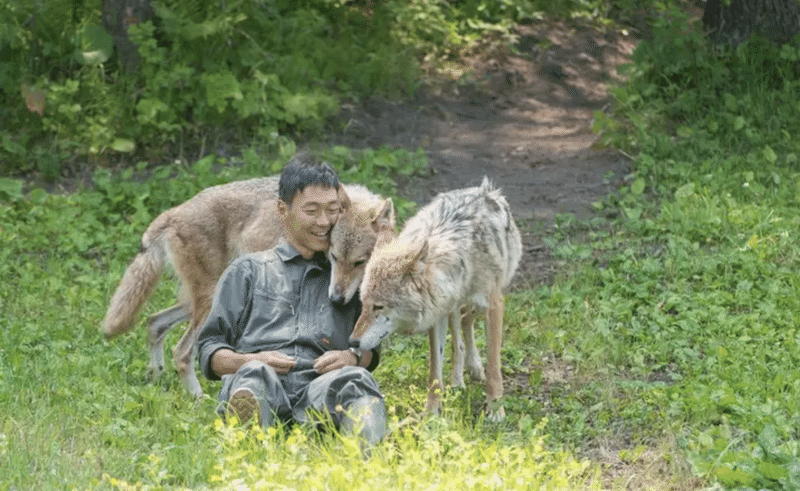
x: 637, y: 188
x: 10, y: 189
x: 95, y: 45
x: 771, y: 471
x: 123, y: 145
x: 685, y: 191
x: 769, y: 154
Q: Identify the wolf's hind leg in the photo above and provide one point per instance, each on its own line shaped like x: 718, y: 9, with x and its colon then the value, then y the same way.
x: 457, y: 357
x: 473, y: 358
x: 158, y: 325
x: 184, y: 354
x: 494, y: 342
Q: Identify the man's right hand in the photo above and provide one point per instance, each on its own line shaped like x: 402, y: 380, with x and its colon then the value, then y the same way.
x: 277, y: 360
x: 225, y: 361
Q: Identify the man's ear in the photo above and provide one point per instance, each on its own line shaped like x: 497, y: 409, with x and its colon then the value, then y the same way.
x: 282, y: 208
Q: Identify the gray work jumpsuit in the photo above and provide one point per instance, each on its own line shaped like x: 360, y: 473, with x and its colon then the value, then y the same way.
x: 278, y: 301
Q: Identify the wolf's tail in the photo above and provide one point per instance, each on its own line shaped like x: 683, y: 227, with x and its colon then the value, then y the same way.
x: 142, y: 275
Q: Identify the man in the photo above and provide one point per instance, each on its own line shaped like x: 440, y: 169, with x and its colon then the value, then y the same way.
x: 277, y: 342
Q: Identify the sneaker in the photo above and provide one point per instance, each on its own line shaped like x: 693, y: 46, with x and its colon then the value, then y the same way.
x: 243, y: 405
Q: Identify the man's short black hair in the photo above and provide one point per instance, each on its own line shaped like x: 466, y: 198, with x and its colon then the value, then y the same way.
x: 304, y: 170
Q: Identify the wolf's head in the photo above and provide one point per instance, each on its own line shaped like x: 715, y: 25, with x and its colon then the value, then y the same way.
x: 353, y: 239
x: 393, y: 293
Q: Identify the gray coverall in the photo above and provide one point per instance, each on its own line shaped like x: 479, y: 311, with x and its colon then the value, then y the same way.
x: 278, y: 301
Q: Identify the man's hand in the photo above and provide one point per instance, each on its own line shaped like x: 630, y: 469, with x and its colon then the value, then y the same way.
x: 277, y: 360
x: 333, y: 360
x: 226, y: 361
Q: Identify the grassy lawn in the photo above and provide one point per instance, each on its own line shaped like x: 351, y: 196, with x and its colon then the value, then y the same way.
x: 665, y: 356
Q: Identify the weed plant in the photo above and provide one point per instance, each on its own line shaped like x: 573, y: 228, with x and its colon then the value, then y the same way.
x: 690, y: 298
x: 81, y: 414
x: 668, y: 346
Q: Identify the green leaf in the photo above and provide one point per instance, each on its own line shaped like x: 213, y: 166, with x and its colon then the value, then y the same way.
x: 685, y: 191
x: 771, y: 471
x: 637, y: 188
x: 95, y: 45
x: 123, y: 145
x: 203, y: 166
x: 769, y: 154
x: 734, y: 477
x: 10, y: 189
x: 738, y: 123
x: 220, y: 87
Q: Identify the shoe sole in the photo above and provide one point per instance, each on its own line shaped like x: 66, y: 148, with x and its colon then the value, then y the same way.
x: 243, y: 405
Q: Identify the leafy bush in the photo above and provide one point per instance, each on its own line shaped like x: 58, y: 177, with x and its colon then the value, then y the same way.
x: 699, y: 284
x: 247, y: 71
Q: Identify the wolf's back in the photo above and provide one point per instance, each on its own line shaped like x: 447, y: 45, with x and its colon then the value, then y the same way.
x: 209, y: 227
x: 474, y: 225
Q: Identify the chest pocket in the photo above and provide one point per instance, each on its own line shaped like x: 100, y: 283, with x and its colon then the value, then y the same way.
x: 271, y: 318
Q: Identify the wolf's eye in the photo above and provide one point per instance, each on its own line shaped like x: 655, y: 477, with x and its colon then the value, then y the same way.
x: 376, y: 308
x: 333, y: 257
x: 358, y: 263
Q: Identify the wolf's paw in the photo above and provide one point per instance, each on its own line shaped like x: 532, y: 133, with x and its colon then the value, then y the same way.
x: 457, y: 380
x: 476, y: 373
x: 154, y: 372
x: 495, y: 412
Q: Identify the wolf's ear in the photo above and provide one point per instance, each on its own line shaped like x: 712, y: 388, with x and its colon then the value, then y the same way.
x: 344, y: 199
x: 384, y: 218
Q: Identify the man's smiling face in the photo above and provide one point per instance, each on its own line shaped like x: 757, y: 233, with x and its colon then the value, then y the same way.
x: 309, y: 218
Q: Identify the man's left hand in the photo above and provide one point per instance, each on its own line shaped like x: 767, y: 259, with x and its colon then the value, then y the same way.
x: 333, y: 360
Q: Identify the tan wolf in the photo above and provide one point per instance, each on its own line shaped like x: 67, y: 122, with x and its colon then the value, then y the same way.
x: 202, y: 235
x: 460, y: 250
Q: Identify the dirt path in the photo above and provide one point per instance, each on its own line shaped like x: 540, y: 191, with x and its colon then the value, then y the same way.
x: 524, y: 121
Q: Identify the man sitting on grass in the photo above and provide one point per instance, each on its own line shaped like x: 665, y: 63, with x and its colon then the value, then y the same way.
x: 277, y: 342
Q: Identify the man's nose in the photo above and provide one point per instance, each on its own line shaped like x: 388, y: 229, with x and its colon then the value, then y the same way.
x: 324, y: 220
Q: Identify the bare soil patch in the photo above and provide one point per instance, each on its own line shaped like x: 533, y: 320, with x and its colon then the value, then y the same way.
x: 524, y: 120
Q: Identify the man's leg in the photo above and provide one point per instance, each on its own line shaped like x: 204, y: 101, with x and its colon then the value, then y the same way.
x: 352, y: 397
x: 254, y: 389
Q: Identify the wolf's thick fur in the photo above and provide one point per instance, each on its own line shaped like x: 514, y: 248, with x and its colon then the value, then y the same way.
x: 200, y: 237
x: 460, y: 250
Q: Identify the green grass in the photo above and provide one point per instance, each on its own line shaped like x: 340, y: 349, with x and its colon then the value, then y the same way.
x: 81, y: 414
x: 665, y: 356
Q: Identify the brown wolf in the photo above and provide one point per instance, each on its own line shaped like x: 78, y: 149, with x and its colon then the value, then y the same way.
x: 201, y: 236
x: 461, y: 249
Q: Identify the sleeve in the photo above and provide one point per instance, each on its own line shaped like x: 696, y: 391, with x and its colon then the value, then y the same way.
x: 227, y: 319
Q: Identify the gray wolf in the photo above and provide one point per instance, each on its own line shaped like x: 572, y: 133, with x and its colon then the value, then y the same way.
x: 201, y: 236
x: 460, y: 250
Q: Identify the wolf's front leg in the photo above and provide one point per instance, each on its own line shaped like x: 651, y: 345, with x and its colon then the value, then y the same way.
x: 436, y: 335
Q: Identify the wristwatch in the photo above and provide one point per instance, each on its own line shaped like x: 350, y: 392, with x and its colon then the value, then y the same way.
x: 357, y: 353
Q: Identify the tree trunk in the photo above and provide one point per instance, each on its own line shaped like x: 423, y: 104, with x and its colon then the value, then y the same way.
x: 118, y: 15
x: 776, y: 20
